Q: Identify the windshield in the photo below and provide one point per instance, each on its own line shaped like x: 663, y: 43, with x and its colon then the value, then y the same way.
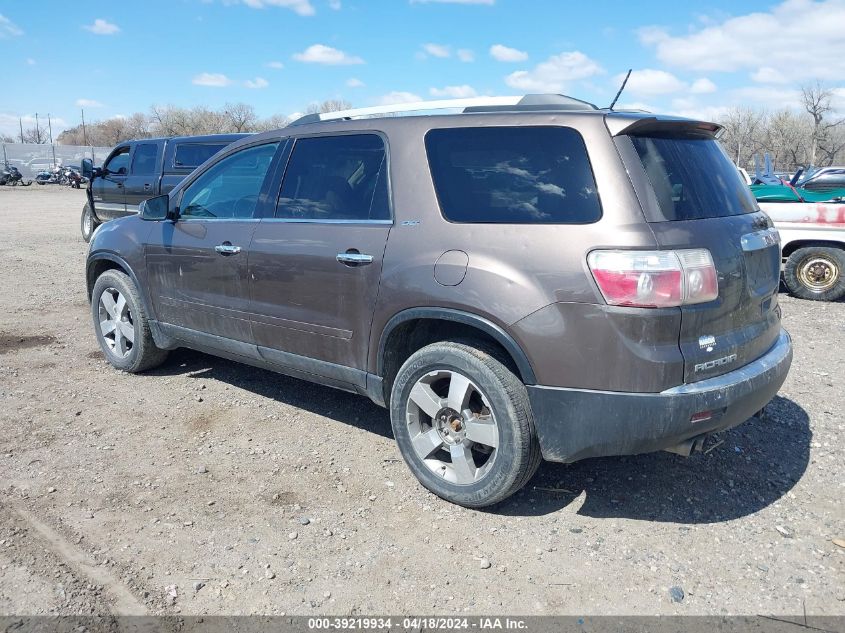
x: 692, y: 178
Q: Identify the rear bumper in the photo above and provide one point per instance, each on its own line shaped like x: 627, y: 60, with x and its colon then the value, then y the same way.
x: 573, y: 424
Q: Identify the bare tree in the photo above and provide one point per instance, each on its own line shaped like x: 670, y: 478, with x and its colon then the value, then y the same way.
x: 743, y: 134
x: 240, y: 117
x: 816, y: 99
x: 272, y: 123
x: 35, y: 135
x: 330, y: 105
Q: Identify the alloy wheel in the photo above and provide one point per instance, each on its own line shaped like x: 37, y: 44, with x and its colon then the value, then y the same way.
x: 452, y: 427
x: 116, y: 325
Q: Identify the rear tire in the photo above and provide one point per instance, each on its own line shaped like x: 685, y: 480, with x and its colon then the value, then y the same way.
x: 816, y: 273
x: 463, y: 424
x: 89, y: 223
x: 121, y: 325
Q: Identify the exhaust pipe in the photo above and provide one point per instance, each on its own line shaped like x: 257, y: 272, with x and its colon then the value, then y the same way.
x: 686, y: 447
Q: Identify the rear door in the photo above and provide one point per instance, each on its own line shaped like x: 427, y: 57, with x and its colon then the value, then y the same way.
x: 315, y: 266
x: 693, y: 197
x: 142, y: 181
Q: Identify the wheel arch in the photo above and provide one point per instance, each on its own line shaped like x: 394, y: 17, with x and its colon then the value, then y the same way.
x: 790, y: 247
x: 99, y: 263
x: 454, y: 323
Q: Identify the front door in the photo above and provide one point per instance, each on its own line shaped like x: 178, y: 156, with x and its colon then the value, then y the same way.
x: 142, y: 181
x: 315, y: 266
x: 108, y: 191
x: 197, y: 265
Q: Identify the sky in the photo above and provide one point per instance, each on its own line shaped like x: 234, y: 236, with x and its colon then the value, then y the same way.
x: 691, y: 59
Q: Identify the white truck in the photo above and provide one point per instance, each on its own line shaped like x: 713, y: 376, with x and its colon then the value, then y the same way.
x: 812, y: 247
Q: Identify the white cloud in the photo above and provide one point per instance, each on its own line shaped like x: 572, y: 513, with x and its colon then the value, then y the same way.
x: 321, y: 54
x: 769, y: 75
x: 635, y: 105
x: 275, y: 65
x: 453, y: 2
x: 8, y: 28
x: 301, y: 7
x: 454, y: 92
x: 334, y: 5
x: 9, y: 124
x: 502, y: 53
x: 258, y: 82
x: 392, y: 98
x: 102, y: 27
x: 702, y: 86
x: 466, y: 55
x: 88, y: 103
x: 649, y: 81
x: 437, y: 50
x: 802, y: 38
x: 354, y: 82
x: 212, y: 80
x: 554, y: 73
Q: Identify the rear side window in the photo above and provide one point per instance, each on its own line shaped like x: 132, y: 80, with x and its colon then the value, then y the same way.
x: 144, y: 159
x: 336, y: 178
x: 190, y: 155
x: 692, y: 178
x: 513, y: 175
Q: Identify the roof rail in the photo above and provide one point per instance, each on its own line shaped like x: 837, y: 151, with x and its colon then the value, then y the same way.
x: 532, y: 102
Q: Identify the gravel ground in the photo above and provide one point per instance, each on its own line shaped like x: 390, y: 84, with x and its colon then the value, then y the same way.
x: 207, y: 487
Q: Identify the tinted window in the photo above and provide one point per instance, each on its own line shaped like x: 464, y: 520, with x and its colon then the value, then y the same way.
x: 119, y: 162
x: 513, y: 175
x: 336, y: 178
x: 230, y: 188
x: 693, y: 178
x: 144, y: 159
x: 190, y: 155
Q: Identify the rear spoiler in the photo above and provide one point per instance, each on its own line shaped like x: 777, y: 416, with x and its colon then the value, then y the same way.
x: 637, y: 125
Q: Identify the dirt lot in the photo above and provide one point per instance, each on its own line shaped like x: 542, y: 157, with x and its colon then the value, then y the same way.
x: 209, y: 487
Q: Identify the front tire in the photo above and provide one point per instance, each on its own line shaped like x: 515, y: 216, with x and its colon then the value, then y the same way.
x: 463, y: 424
x: 89, y: 223
x: 121, y: 325
x: 816, y: 273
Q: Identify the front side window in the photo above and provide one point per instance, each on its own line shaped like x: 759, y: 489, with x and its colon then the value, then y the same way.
x: 191, y: 155
x: 144, y: 159
x: 512, y: 175
x: 119, y: 163
x: 336, y: 178
x: 229, y: 188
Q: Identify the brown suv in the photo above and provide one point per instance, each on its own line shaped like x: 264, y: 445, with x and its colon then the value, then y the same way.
x: 523, y: 279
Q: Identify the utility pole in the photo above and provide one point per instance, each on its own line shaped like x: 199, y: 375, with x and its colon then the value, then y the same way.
x: 37, y: 131
x: 20, y: 122
x: 50, y: 127
x: 84, y: 135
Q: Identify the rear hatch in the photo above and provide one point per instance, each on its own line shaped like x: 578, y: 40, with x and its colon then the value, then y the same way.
x: 693, y: 197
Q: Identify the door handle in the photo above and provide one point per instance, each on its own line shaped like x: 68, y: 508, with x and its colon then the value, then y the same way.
x: 147, y: 186
x: 227, y: 248
x: 119, y: 185
x: 354, y: 258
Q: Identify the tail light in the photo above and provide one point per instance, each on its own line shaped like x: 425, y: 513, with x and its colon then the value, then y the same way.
x: 655, y: 279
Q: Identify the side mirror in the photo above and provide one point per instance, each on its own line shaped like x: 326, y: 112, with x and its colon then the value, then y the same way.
x: 155, y: 209
x: 87, y: 168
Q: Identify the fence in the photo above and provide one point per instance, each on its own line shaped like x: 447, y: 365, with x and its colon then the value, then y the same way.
x: 32, y: 158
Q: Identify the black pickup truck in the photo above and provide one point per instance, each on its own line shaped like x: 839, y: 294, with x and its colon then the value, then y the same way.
x: 141, y: 169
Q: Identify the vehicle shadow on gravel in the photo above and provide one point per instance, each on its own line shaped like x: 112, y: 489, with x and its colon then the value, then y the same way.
x: 740, y: 472
x: 338, y: 405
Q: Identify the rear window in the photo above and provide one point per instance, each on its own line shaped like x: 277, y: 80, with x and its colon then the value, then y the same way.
x: 513, y: 175
x: 190, y: 155
x: 692, y: 178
